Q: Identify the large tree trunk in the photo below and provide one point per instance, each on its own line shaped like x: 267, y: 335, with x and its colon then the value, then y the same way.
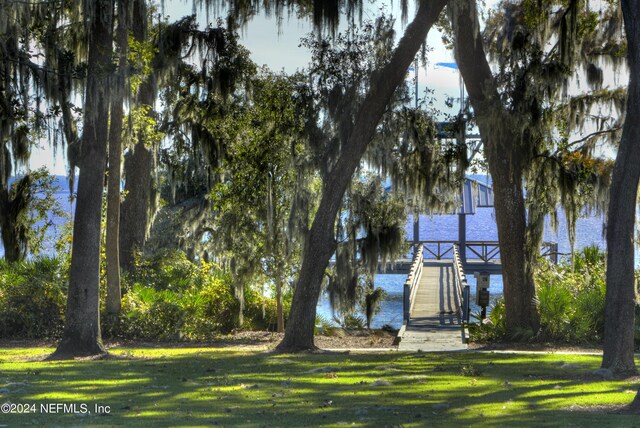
x: 10, y: 242
x: 504, y: 154
x: 621, y: 288
x: 279, y: 308
x: 239, y: 293
x: 112, y: 249
x: 12, y: 206
x: 320, y: 242
x: 138, y: 207
x: 519, y: 287
x: 82, y: 329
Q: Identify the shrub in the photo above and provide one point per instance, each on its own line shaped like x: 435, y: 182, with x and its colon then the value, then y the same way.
x: 261, y: 312
x: 555, y: 304
x: 210, y: 308
x: 493, y: 327
x: 149, y: 314
x: 324, y: 325
x: 571, y: 301
x: 171, y: 298
x: 166, y: 298
x: 32, y: 299
x: 166, y: 270
x: 572, y: 298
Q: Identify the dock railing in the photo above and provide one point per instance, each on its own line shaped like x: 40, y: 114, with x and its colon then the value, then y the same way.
x: 462, y: 289
x: 483, y: 250
x: 486, y: 251
x: 411, y: 284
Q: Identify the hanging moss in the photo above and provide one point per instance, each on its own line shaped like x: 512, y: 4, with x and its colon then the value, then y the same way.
x: 541, y: 50
x: 324, y: 14
x: 29, y: 103
x: 371, y: 232
x: 427, y: 169
x: 196, y: 99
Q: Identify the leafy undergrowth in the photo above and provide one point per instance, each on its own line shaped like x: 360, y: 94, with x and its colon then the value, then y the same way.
x: 233, y: 387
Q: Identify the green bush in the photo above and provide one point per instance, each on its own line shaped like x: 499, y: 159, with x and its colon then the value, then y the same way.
x: 167, y: 298
x: 261, y: 312
x: 32, y: 299
x: 493, y: 327
x: 167, y: 270
x: 148, y: 314
x: 324, y: 325
x: 555, y: 304
x: 211, y: 308
x: 571, y: 298
x: 171, y: 298
x: 571, y: 302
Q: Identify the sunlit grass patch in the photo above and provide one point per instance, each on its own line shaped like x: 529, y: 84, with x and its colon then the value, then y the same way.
x: 233, y: 387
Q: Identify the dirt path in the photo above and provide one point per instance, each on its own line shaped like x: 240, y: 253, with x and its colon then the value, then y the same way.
x: 262, y: 340
x: 378, y: 339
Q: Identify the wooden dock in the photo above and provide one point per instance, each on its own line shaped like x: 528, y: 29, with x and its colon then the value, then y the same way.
x: 436, y: 293
x: 434, y: 322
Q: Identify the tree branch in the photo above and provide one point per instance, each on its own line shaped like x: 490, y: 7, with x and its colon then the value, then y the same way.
x: 593, y: 134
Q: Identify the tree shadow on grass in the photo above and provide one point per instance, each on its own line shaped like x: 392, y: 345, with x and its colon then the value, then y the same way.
x: 173, y: 387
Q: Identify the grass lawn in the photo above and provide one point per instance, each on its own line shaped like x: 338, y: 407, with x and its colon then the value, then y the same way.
x: 234, y: 387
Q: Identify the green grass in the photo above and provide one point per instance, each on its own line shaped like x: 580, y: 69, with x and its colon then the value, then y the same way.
x: 231, y: 387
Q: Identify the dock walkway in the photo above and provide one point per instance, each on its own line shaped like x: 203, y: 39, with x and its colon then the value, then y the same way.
x: 435, y: 323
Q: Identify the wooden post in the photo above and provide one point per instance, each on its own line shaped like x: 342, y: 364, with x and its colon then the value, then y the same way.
x: 462, y: 237
x: 416, y: 230
x: 466, y: 302
x: 406, y: 302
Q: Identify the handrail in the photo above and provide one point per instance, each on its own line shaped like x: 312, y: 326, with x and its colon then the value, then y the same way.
x: 411, y: 284
x: 486, y: 250
x: 462, y: 288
